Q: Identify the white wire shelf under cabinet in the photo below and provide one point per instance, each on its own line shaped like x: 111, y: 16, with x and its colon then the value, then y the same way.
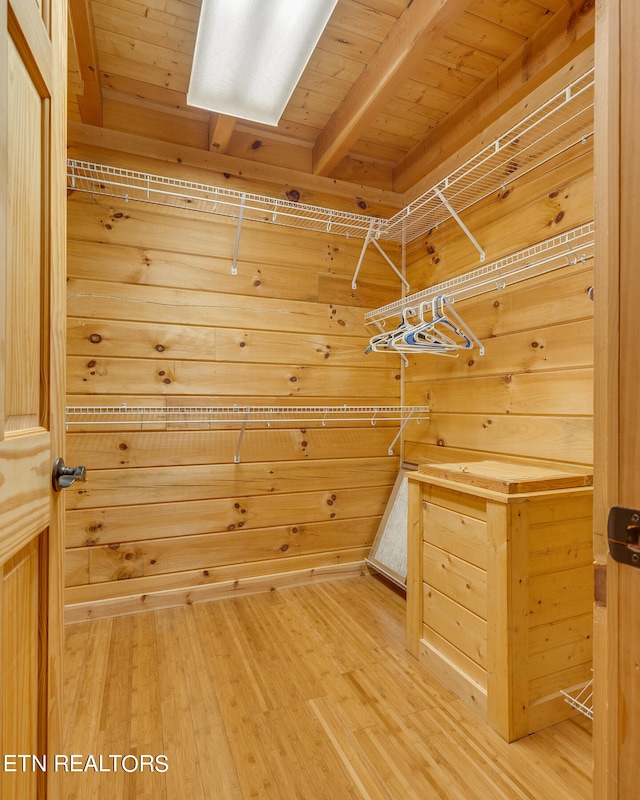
x: 581, y: 699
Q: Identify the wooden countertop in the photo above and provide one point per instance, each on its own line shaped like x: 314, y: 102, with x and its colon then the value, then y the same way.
x: 505, y: 477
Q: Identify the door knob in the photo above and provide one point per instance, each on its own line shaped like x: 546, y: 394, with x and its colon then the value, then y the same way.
x: 63, y: 476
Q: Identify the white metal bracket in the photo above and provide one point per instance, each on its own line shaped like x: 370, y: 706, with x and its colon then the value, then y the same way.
x: 370, y: 238
x: 399, y: 434
x: 236, y: 455
x: 454, y: 214
x: 234, y: 265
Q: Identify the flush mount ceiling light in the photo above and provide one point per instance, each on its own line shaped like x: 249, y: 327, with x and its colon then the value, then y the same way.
x: 250, y: 54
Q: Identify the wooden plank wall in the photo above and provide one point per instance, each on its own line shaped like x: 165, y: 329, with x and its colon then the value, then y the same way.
x: 156, y: 318
x: 531, y: 395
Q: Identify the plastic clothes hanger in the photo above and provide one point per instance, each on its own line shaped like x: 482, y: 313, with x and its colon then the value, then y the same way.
x: 460, y: 328
x: 443, y: 333
x: 425, y: 336
x: 411, y: 336
x: 382, y: 341
x: 394, y: 340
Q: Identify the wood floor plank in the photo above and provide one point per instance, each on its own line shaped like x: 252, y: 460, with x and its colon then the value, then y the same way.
x: 83, y: 706
x: 76, y: 641
x: 146, y: 719
x: 249, y: 738
x: 410, y: 772
x: 306, y: 693
x: 117, y: 707
x: 355, y: 761
x: 300, y: 758
x: 185, y: 773
x: 211, y: 741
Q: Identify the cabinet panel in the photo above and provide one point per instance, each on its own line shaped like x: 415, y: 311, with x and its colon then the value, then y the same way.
x: 456, y: 533
x: 554, y: 648
x: 560, y: 595
x: 460, y: 627
x: 456, y: 670
x: 458, y: 580
x: 459, y: 502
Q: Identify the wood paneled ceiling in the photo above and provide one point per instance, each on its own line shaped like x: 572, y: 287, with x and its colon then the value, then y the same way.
x: 393, y: 85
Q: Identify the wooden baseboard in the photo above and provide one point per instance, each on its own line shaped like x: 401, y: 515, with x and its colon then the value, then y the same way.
x: 474, y: 695
x: 132, y: 604
x: 541, y: 713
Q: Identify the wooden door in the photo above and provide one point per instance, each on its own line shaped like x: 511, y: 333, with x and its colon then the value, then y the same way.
x: 617, y: 410
x: 32, y: 235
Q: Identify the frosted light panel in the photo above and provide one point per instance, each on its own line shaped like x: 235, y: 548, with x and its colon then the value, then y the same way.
x: 250, y: 54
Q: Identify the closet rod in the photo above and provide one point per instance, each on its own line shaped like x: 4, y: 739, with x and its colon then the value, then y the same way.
x: 551, y: 254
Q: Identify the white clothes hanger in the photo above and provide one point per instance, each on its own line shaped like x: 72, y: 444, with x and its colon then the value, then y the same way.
x: 442, y: 333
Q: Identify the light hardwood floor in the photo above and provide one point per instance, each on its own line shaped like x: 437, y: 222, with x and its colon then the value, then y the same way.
x: 300, y: 694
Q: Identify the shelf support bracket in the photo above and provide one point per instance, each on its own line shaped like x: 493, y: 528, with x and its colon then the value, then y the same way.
x: 391, y: 264
x: 370, y: 238
x: 236, y: 456
x: 234, y: 265
x: 367, y: 239
x: 399, y: 434
x: 454, y: 214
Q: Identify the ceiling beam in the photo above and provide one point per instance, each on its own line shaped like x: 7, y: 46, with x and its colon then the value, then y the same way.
x: 561, y: 40
x: 421, y: 24
x: 90, y: 101
x: 220, y: 131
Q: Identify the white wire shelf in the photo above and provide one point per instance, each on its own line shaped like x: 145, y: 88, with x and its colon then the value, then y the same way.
x: 576, y: 245
x: 558, y: 124
x: 192, y: 417
x: 581, y: 699
x: 266, y: 415
x: 85, y: 176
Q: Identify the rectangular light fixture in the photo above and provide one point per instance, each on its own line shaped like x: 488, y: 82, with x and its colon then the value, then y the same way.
x: 250, y: 54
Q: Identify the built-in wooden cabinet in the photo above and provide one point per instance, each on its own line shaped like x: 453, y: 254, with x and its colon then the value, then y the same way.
x: 500, y: 585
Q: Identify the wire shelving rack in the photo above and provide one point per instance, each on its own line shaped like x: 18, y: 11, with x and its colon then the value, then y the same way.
x: 100, y: 179
x: 560, y: 123
x: 576, y: 245
x: 130, y: 418
x: 581, y: 699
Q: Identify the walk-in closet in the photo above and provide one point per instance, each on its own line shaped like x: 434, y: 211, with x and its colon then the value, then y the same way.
x: 316, y: 473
